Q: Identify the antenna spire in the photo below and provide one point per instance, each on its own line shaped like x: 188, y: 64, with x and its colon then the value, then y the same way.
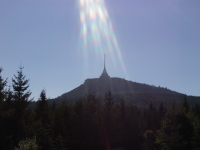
x: 104, y: 73
x: 104, y: 61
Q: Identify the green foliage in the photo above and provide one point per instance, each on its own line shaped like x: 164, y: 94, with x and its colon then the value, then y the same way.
x: 94, y: 122
x: 28, y: 144
x: 149, y: 139
x: 176, y: 131
x: 195, y: 120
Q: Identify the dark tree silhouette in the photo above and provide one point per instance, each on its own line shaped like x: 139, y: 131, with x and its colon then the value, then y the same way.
x: 95, y: 122
x: 108, y: 118
x: 42, y: 125
x: 3, y: 84
x: 21, y: 101
x: 185, y: 104
x: 41, y: 106
x: 21, y: 93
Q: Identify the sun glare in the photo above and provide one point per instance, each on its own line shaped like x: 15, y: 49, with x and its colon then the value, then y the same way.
x: 97, y: 31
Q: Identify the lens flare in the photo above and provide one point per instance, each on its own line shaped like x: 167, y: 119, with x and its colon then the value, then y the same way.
x: 97, y: 31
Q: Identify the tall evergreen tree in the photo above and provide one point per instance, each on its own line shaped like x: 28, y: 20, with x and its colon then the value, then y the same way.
x: 108, y: 100
x: 161, y: 113
x: 21, y: 92
x: 185, y: 104
x: 161, y: 110
x: 92, y: 118
x: 41, y: 105
x: 122, y: 105
x: 42, y: 125
x: 53, y: 106
x: 152, y: 117
x: 3, y: 83
x: 21, y: 101
x: 196, y: 136
x: 7, y: 113
x: 108, y: 118
x: 196, y: 110
x: 176, y: 131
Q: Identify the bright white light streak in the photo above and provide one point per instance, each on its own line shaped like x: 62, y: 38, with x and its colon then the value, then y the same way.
x: 97, y: 31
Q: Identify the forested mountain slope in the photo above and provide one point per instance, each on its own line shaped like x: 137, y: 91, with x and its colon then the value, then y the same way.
x: 133, y: 92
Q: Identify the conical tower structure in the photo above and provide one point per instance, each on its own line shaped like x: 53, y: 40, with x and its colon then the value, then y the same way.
x: 104, y: 74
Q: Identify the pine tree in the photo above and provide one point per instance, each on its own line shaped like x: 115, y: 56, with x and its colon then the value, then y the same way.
x: 108, y: 117
x: 3, y: 84
x: 42, y: 125
x: 152, y: 117
x: 196, y: 136
x: 161, y: 113
x: 108, y: 100
x: 149, y: 139
x: 21, y: 92
x: 41, y: 105
x: 122, y: 110
x: 27, y: 144
x: 92, y: 118
x: 3, y: 115
x: 196, y: 110
x: 185, y: 104
x: 53, y: 107
x: 161, y: 110
x: 21, y: 100
x: 176, y: 131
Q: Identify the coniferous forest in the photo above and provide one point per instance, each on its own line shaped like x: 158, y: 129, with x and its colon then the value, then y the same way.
x: 92, y: 122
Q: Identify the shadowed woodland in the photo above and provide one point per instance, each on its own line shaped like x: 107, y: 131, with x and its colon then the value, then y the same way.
x: 92, y: 122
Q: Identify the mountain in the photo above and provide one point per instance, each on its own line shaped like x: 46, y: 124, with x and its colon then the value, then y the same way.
x: 100, y: 86
x: 135, y: 93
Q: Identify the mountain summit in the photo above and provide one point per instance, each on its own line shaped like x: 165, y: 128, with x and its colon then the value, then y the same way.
x: 136, y: 93
x: 116, y: 85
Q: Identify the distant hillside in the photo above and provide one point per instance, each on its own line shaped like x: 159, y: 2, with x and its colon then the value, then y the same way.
x: 135, y: 93
x: 116, y: 86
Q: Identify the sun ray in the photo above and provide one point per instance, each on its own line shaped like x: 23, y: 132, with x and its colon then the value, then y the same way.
x: 97, y: 32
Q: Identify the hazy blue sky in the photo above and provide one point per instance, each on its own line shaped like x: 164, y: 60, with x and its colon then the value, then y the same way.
x: 159, y: 42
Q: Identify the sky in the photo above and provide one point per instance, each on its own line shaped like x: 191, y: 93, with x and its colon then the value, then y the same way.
x: 153, y: 42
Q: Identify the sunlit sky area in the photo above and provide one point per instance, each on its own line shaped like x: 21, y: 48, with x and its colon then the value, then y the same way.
x: 61, y: 43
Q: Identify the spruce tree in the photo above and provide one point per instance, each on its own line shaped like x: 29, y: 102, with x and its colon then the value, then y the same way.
x: 108, y: 116
x: 21, y: 101
x: 108, y: 100
x: 3, y: 84
x: 21, y: 93
x: 41, y: 106
x: 186, y: 104
x: 42, y: 125
x: 176, y: 131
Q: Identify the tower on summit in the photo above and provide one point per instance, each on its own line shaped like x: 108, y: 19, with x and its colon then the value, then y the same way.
x: 104, y: 73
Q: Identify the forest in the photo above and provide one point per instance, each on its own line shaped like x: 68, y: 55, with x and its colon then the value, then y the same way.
x: 92, y: 122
